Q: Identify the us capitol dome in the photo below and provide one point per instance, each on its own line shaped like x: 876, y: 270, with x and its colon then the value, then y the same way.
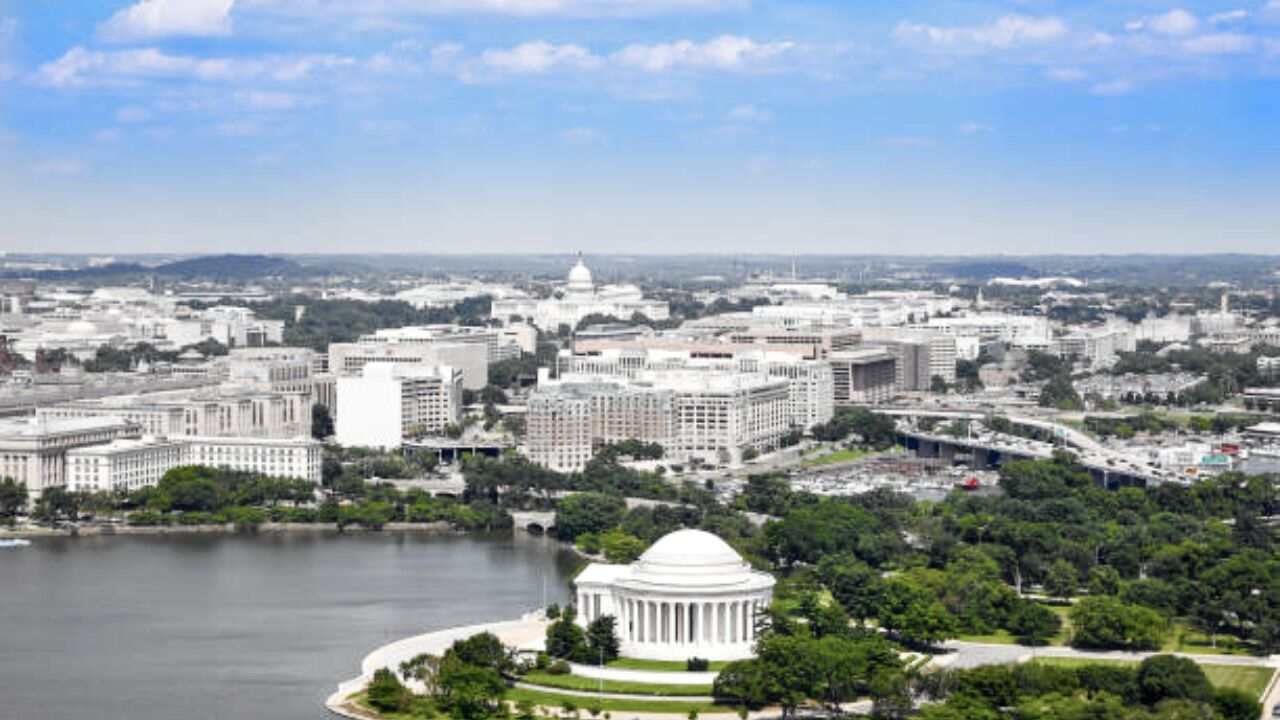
x: 689, y: 595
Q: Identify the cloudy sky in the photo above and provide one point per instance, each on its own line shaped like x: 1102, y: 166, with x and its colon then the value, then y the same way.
x: 954, y: 126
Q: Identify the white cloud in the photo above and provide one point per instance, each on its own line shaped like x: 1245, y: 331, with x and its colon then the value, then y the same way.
x: 64, y: 167
x: 909, y: 141
x: 580, y: 136
x: 81, y: 67
x: 108, y: 135
x: 387, y: 9
x: 132, y: 114
x: 1006, y: 32
x: 727, y: 52
x: 974, y: 128
x: 147, y: 19
x: 1220, y: 44
x: 1113, y: 87
x: 265, y: 100
x: 539, y: 57
x: 1228, y: 17
x: 749, y: 114
x: 238, y: 128
x: 1065, y: 74
x: 1176, y: 22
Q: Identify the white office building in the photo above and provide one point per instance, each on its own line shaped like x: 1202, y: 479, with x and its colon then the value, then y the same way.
x: 126, y: 465
x: 33, y: 451
x: 297, y: 458
x: 470, y: 358
x: 387, y: 403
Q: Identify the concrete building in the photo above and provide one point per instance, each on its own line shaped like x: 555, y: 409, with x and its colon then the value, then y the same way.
x: 568, y: 422
x: 497, y: 344
x: 720, y: 417
x: 297, y: 458
x: 864, y: 376
x: 811, y: 390
x: 34, y: 450
x: 387, y: 403
x: 470, y: 358
x: 127, y: 464
x: 689, y: 595
x: 920, y: 355
x: 713, y: 418
x: 283, y: 369
x: 578, y: 298
x: 1096, y: 347
x: 222, y: 411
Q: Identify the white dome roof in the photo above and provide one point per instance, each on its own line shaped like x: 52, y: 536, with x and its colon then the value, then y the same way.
x: 694, y: 559
x: 690, y: 548
x: 580, y: 277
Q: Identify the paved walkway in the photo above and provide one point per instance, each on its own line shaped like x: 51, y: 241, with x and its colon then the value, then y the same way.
x: 617, y: 696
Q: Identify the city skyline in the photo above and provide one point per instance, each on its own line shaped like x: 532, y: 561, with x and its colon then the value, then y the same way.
x: 448, y: 126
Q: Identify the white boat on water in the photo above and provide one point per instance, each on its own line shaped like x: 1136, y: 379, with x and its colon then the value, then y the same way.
x: 14, y: 543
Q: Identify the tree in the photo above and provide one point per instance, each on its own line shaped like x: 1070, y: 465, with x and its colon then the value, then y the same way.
x: 938, y: 385
x: 564, y: 638
x: 1062, y: 579
x: 588, y: 512
x: 1033, y: 623
x: 13, y: 498
x: 602, y: 640
x: 1164, y: 677
x: 55, y: 502
x: 386, y: 693
x: 470, y: 692
x: 1104, y: 580
x: 621, y: 547
x: 1109, y: 623
x: 912, y: 612
x: 321, y: 422
x: 482, y: 650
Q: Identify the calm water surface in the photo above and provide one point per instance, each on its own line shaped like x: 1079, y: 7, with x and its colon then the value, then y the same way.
x: 170, y: 628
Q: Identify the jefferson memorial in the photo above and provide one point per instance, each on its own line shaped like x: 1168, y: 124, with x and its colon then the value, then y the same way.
x: 689, y: 595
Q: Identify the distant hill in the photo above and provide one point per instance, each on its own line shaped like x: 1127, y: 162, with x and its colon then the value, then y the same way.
x: 230, y: 267
x: 221, y: 268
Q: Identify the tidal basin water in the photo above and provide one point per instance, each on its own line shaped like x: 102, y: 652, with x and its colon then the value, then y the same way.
x: 235, y: 626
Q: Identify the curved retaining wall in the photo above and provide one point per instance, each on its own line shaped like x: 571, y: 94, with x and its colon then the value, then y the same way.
x: 526, y: 633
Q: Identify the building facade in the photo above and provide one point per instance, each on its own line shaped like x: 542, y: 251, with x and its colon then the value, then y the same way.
x: 387, y: 403
x: 689, y: 595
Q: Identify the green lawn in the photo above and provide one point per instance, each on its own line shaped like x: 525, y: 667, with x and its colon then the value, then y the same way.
x: 1250, y: 679
x: 1184, y: 639
x: 839, y: 456
x: 658, y: 665
x: 577, y: 682
x: 548, y: 699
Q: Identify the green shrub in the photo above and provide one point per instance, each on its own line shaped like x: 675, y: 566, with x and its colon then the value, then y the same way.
x: 697, y: 664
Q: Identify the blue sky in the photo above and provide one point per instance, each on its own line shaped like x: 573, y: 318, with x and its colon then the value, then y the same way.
x: 733, y: 126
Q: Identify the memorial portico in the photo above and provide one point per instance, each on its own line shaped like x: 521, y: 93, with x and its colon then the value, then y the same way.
x: 689, y: 595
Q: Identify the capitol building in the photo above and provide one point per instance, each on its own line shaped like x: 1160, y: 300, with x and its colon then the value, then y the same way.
x: 689, y: 595
x: 578, y: 298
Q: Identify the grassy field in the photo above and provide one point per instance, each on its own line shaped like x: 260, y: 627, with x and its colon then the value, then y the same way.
x: 549, y: 699
x: 577, y: 682
x: 1252, y: 680
x: 1184, y: 639
x: 839, y: 456
x: 658, y: 665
